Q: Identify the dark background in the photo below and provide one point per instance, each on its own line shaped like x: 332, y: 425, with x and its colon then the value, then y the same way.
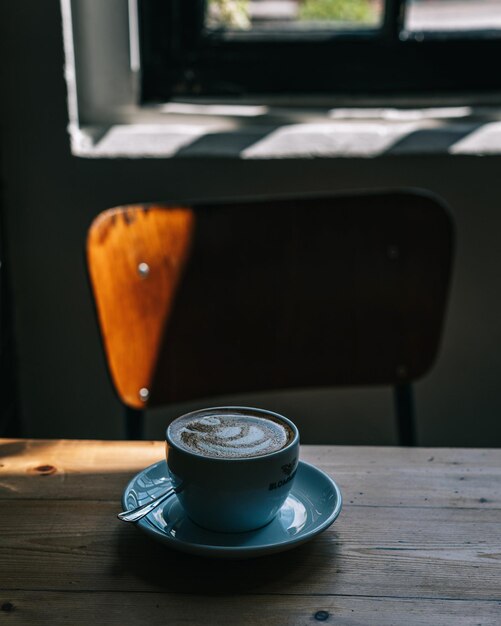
x: 50, y: 198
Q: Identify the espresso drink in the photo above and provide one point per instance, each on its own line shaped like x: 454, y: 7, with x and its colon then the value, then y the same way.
x: 230, y: 435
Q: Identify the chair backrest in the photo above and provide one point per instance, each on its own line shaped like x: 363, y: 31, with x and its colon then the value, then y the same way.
x: 232, y: 297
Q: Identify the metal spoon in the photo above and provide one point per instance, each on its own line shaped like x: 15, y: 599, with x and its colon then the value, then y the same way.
x: 134, y: 515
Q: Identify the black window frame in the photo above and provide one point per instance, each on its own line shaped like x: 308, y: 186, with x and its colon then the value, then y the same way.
x: 179, y: 58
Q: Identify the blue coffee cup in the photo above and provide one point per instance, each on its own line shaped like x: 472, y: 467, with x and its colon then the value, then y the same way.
x: 233, y: 494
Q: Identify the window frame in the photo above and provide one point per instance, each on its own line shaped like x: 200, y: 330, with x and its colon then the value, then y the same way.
x: 179, y: 59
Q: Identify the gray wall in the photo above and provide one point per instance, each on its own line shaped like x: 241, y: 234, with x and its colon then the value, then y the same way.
x: 51, y: 197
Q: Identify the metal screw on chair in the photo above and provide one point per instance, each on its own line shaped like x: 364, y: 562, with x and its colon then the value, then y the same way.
x: 144, y: 394
x: 143, y: 269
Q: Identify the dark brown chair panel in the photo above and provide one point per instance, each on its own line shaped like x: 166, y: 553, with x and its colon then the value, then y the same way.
x: 280, y: 294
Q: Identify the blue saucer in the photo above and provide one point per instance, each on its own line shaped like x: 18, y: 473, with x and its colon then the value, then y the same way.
x: 312, y: 506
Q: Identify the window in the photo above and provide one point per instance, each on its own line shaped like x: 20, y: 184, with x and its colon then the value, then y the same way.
x: 281, y: 48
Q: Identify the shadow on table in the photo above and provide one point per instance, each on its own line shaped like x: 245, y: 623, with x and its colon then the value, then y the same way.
x: 17, y: 448
x: 155, y: 565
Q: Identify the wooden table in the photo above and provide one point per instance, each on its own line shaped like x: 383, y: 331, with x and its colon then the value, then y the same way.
x: 418, y: 542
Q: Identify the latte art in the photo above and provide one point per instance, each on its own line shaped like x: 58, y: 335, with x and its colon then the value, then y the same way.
x: 231, y: 435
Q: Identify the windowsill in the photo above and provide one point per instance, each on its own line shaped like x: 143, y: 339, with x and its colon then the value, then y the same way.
x: 338, y: 133
x: 106, y: 120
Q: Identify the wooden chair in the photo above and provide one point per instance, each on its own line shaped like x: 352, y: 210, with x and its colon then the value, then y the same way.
x: 221, y: 298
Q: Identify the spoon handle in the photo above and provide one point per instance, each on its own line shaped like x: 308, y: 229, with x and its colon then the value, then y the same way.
x: 134, y: 515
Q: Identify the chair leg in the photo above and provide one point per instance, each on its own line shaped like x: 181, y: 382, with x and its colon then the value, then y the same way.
x: 405, y: 412
x: 134, y: 420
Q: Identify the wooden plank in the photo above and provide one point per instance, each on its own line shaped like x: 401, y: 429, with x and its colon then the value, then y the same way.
x: 99, y: 470
x: 61, y: 609
x: 19, y: 456
x: 397, y: 552
x: 432, y: 557
x: 119, y: 455
x: 426, y: 477
x: 67, y: 469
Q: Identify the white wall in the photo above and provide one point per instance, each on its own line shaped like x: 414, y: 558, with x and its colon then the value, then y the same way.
x: 51, y: 197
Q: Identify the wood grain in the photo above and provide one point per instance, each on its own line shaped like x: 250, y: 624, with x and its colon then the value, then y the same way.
x: 369, y: 476
x: 431, y: 553
x: 136, y: 256
x: 72, y: 469
x: 433, y: 559
x: 61, y: 609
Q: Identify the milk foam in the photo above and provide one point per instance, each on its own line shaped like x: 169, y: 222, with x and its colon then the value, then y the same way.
x: 230, y: 435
